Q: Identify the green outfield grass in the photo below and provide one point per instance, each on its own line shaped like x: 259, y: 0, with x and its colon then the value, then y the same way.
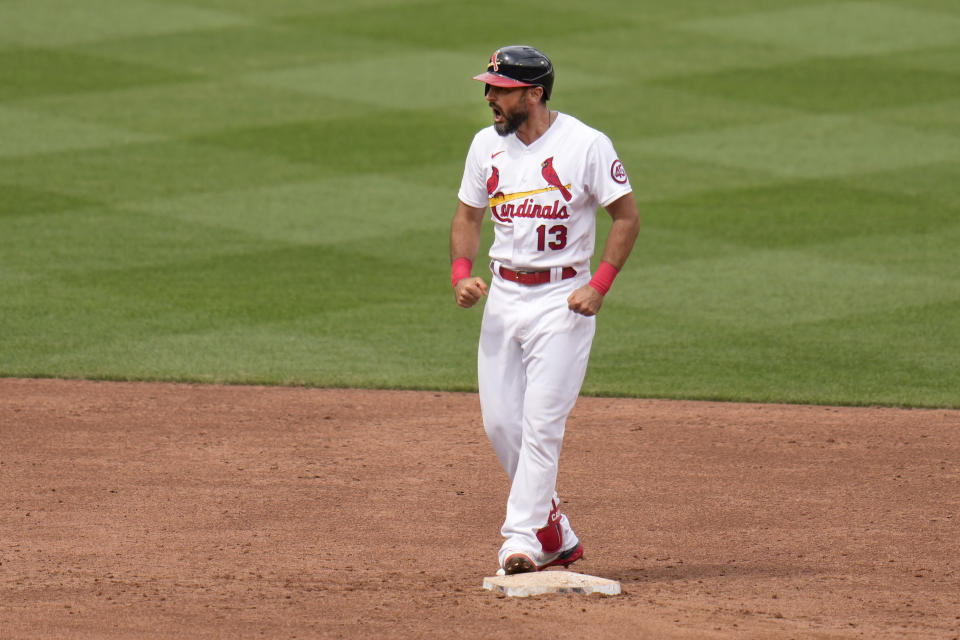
x: 245, y: 191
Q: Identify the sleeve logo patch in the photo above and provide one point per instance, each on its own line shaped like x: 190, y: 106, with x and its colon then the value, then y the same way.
x: 617, y: 172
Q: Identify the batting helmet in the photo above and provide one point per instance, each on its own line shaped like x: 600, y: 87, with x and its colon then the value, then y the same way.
x: 519, y: 66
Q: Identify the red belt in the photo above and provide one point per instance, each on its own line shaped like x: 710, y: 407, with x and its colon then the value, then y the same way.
x: 534, y: 277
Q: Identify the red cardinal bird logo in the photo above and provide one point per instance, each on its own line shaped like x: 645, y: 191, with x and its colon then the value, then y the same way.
x: 550, y: 175
x: 493, y: 180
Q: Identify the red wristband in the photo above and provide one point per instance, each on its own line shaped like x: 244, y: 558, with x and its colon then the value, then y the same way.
x: 603, y: 279
x: 459, y: 270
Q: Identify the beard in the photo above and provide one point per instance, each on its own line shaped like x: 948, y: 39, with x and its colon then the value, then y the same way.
x: 512, y: 121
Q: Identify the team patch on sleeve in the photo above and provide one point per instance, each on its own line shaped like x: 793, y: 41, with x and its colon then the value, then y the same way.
x: 617, y: 172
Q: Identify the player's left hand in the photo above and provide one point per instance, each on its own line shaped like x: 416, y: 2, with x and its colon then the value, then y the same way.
x: 586, y: 301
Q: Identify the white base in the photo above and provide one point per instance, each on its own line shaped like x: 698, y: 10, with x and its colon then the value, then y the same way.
x: 534, y: 584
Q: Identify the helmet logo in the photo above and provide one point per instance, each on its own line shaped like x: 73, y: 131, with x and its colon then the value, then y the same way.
x: 493, y: 61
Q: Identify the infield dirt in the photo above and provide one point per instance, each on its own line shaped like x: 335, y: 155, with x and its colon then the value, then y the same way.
x: 140, y: 510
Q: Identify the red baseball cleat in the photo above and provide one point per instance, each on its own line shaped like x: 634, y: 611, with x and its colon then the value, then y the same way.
x: 565, y: 558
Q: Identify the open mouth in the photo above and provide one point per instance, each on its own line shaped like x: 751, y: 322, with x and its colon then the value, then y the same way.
x: 497, y: 114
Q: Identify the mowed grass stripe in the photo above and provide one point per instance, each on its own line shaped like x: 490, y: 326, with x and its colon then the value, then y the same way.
x: 927, y: 255
x: 32, y: 72
x: 935, y: 117
x: 810, y: 147
x: 642, y: 49
x: 24, y: 201
x: 464, y: 25
x: 56, y: 23
x: 663, y: 111
x: 370, y: 143
x: 27, y: 133
x: 269, y: 285
x: 182, y: 110
x: 319, y: 213
x: 840, y: 29
x: 224, y: 53
x: 57, y: 240
x: 148, y: 170
x: 933, y: 185
x: 830, y: 85
x: 363, y: 80
x: 798, y: 213
x: 779, y: 288
x: 281, y: 8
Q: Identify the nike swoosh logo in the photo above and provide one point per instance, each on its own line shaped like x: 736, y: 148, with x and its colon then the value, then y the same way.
x: 496, y: 154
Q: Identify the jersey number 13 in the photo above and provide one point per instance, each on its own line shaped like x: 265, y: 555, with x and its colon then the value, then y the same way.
x: 558, y: 237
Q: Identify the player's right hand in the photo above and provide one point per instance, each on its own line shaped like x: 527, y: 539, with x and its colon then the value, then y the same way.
x: 468, y: 291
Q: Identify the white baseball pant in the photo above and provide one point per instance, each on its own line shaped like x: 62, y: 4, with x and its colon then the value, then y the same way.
x: 532, y: 360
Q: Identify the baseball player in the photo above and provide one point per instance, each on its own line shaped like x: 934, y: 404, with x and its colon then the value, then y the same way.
x: 542, y: 174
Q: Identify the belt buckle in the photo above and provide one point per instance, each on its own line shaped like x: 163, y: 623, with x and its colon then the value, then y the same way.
x: 518, y: 274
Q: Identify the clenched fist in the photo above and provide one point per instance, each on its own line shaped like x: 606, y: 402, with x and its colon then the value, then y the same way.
x: 468, y: 291
x: 586, y: 301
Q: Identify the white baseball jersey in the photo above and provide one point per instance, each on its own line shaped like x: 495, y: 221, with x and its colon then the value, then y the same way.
x: 543, y: 197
